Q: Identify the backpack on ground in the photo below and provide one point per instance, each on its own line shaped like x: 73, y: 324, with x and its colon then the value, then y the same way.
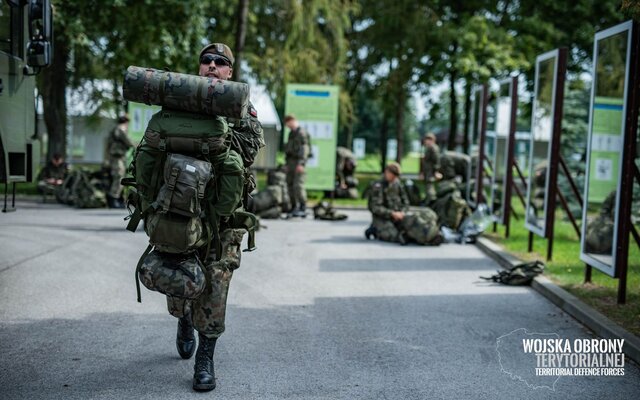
x: 324, y: 211
x: 86, y: 192
x: 186, y: 179
x: 421, y: 226
x: 518, y: 275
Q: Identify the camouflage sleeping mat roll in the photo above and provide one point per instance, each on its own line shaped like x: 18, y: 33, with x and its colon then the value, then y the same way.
x: 185, y: 92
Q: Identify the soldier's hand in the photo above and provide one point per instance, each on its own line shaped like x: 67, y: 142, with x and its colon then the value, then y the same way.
x: 299, y: 168
x: 438, y: 176
x: 397, y: 215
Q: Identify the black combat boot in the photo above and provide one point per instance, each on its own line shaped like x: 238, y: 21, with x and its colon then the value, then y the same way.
x: 204, y: 378
x: 185, y: 339
x: 371, y: 232
x: 303, y: 211
x: 403, y: 239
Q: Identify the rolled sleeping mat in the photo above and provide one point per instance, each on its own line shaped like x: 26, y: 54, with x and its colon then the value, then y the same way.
x: 192, y: 93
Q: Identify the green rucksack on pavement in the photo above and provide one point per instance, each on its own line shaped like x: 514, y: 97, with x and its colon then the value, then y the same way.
x: 518, y: 275
x: 186, y: 178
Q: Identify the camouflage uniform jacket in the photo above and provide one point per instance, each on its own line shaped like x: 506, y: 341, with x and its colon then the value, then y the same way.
x: 297, y: 148
x: 387, y: 197
x: 119, y: 143
x: 248, y: 137
x: 431, y: 162
x: 50, y: 171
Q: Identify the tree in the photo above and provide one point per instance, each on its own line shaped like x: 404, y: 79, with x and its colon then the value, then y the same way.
x: 99, y: 39
x: 387, y: 47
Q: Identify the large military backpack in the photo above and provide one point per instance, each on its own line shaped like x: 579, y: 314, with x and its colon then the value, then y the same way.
x: 421, y: 226
x: 87, y: 192
x: 451, y: 208
x: 186, y: 178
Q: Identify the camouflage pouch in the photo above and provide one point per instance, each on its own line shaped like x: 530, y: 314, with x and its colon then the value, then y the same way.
x: 177, y: 275
x: 174, y: 233
x: 186, y: 179
x: 230, y: 184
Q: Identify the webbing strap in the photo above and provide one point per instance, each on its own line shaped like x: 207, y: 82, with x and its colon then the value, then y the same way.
x: 171, y: 184
x: 249, y: 222
x: 146, y: 252
x: 134, y: 221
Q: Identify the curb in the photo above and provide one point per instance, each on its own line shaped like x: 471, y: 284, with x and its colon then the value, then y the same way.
x: 586, y: 315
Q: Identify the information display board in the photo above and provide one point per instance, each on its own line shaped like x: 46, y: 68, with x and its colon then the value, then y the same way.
x: 139, y: 116
x: 359, y: 147
x: 540, y: 149
x: 599, y: 244
x: 316, y: 109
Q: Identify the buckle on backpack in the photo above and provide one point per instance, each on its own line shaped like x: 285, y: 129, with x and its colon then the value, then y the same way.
x: 205, y: 147
x: 163, y: 145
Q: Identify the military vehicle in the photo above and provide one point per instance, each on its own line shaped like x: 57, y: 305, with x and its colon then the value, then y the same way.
x: 26, y: 37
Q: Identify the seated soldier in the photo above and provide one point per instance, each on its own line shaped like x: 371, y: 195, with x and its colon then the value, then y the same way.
x: 52, y: 175
x: 392, y: 221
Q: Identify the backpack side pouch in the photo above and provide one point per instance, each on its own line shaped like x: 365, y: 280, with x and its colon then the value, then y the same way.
x: 185, y: 181
x: 174, y: 233
x: 230, y: 184
x: 174, y: 275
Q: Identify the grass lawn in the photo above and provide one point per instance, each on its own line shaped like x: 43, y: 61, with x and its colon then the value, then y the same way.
x: 567, y: 270
x: 372, y: 164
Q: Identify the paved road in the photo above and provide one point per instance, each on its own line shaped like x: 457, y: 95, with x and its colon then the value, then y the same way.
x: 316, y: 313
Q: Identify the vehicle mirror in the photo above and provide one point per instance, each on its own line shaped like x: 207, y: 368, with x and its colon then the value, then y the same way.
x: 40, y: 48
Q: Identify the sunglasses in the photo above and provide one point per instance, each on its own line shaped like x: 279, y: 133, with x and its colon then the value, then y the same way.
x: 219, y: 61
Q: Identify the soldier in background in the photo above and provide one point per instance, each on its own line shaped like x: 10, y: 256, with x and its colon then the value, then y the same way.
x: 118, y: 144
x: 52, y: 175
x: 392, y: 221
x: 346, y: 182
x: 430, y: 167
x: 297, y: 151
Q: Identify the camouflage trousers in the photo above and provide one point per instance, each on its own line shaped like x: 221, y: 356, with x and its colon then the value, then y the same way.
x: 118, y: 170
x: 295, y: 183
x: 430, y: 192
x: 208, y: 311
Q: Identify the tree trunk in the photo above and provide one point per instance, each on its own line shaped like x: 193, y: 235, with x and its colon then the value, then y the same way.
x: 453, y: 117
x: 241, y: 33
x: 467, y: 116
x: 400, y: 124
x: 53, y: 89
x: 383, y: 137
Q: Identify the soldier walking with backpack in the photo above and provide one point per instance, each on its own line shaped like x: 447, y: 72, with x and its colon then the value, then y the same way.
x: 191, y: 181
x: 297, y: 151
x: 118, y: 145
